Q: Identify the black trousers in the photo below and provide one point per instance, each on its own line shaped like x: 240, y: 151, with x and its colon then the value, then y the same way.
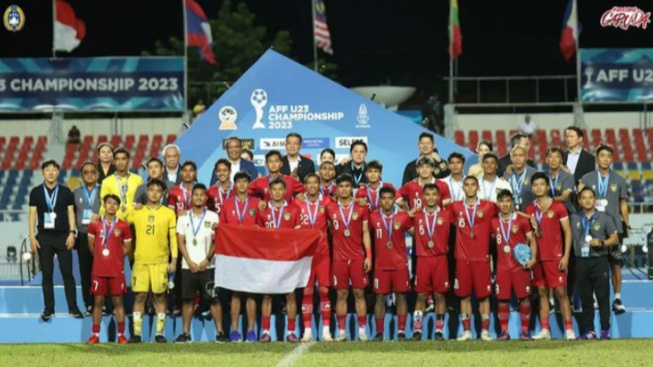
x: 593, y: 277
x: 85, y: 258
x: 51, y: 245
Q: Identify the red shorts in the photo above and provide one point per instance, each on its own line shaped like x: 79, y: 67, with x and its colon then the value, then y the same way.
x: 100, y: 286
x: 476, y: 274
x: 320, y: 271
x: 518, y: 280
x: 432, y: 274
x: 388, y: 281
x: 345, y: 271
x: 546, y: 274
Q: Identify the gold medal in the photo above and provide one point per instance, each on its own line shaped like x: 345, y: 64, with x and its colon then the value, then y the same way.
x: 471, y: 234
x: 389, y: 245
x: 506, y: 249
x: 123, y: 208
x: 431, y: 244
x: 194, y: 241
x: 106, y: 252
x: 347, y: 232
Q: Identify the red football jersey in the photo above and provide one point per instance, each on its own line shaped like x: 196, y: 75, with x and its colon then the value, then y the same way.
x: 179, y: 199
x: 112, y: 265
x: 551, y: 245
x: 390, y: 257
x: 372, y: 196
x: 413, y: 193
x: 347, y: 248
x: 517, y: 234
x: 286, y: 217
x: 217, y: 197
x: 331, y: 190
x: 247, y: 209
x: 441, y: 233
x: 317, y: 210
x: 260, y: 188
x: 477, y: 248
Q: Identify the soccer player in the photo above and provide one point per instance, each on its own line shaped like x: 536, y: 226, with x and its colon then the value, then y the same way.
x: 390, y: 261
x: 222, y: 190
x: 490, y: 183
x: 195, y: 233
x: 241, y: 211
x: 109, y: 240
x: 411, y: 193
x: 327, y: 175
x: 432, y: 233
x: 368, y: 194
x: 179, y: 197
x: 519, y: 176
x: 455, y: 180
x: 511, y: 229
x: 260, y: 187
x: 473, y: 231
x: 279, y: 214
x: 594, y: 233
x: 154, y: 226
x: 351, y: 235
x: 122, y: 183
x: 550, y: 270
x: 154, y: 170
x: 313, y: 216
x: 612, y: 195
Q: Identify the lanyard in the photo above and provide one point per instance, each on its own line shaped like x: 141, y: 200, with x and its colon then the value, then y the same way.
x: 430, y: 225
x: 388, y: 225
x: 506, y: 237
x: 342, y: 214
x: 90, y: 199
x: 51, y: 200
x: 374, y: 203
x: 455, y: 195
x: 241, y: 215
x: 357, y: 179
x: 473, y: 219
x: 587, y: 223
x: 553, y: 183
x: 488, y: 194
x: 276, y: 222
x: 329, y: 190
x: 518, y: 184
x: 123, y: 188
x: 105, y: 240
x: 312, y: 217
x: 192, y: 225
x: 603, y: 184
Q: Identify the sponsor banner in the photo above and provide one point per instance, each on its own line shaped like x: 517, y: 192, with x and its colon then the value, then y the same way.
x: 345, y: 142
x: 247, y: 143
x: 92, y: 84
x: 616, y: 75
x: 272, y: 144
x: 316, y: 143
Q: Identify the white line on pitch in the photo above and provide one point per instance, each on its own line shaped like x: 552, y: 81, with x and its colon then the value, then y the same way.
x: 293, y: 356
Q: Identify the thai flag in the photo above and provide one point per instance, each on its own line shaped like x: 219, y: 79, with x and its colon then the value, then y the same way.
x: 198, y: 31
x: 569, y: 37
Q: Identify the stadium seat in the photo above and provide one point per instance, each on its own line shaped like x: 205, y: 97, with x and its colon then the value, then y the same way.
x: 486, y: 135
x: 500, y: 146
x: 472, y: 140
x: 171, y: 139
x: 626, y: 146
x: 596, y: 138
x: 556, y: 141
x: 611, y: 139
x: 459, y: 137
x: 586, y: 141
x: 541, y: 144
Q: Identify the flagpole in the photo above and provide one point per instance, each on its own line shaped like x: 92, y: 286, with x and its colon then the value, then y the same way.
x: 183, y: 4
x: 577, y: 43
x: 451, y: 66
x: 314, y: 40
x: 54, y: 21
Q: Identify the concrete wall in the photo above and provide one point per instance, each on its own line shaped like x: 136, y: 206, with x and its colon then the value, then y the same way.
x: 594, y: 120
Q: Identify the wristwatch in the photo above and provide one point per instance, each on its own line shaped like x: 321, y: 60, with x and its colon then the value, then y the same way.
x: 74, y: 232
x: 602, y: 243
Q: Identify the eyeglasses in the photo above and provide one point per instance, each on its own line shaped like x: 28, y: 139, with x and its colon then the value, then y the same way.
x: 89, y: 172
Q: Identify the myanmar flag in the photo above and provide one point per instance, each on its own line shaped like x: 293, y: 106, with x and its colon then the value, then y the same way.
x: 456, y: 46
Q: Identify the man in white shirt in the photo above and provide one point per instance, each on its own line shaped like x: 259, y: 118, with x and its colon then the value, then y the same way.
x: 293, y: 163
x: 528, y: 127
x: 490, y: 184
x: 455, y: 179
x: 171, y: 155
x: 195, y: 232
x: 234, y: 149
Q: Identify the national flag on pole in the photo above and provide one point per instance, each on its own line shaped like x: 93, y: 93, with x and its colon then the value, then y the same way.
x: 569, y: 37
x: 263, y: 261
x: 320, y: 28
x: 68, y: 29
x: 456, y: 38
x: 198, y: 31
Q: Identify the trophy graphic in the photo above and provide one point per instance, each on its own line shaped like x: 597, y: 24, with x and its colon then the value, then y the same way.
x: 589, y: 71
x: 259, y: 99
x: 228, y: 116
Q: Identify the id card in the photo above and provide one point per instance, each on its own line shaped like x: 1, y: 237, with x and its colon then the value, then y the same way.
x: 48, y: 220
x: 86, y: 216
x: 584, y: 249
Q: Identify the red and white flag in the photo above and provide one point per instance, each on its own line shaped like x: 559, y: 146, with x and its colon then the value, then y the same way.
x: 320, y: 29
x: 263, y: 261
x: 68, y: 29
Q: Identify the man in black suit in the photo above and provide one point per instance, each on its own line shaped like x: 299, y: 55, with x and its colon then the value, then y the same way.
x: 426, y: 146
x: 356, y: 166
x: 579, y: 161
x: 294, y: 164
x: 517, y: 139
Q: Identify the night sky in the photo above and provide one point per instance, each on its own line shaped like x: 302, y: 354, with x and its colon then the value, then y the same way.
x: 395, y: 41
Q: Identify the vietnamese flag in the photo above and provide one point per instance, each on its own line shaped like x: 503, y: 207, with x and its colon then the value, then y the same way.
x: 456, y: 46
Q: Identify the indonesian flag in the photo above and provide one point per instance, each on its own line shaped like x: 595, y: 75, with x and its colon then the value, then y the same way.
x: 263, y: 261
x: 68, y: 29
x: 569, y: 36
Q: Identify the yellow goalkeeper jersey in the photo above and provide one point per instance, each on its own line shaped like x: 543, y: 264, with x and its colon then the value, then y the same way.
x: 155, y: 229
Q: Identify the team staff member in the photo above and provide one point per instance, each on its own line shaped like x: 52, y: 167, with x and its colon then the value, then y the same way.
x: 122, y: 183
x: 519, y: 176
x: 579, y: 161
x: 105, y: 161
x: 455, y: 180
x: 293, y: 163
x: 356, y: 167
x: 154, y: 170
x: 87, y: 205
x: 53, y: 206
x: 109, y: 240
x: 154, y: 225
x: 426, y: 146
x: 171, y: 155
x: 594, y: 233
x: 195, y: 232
x: 518, y: 139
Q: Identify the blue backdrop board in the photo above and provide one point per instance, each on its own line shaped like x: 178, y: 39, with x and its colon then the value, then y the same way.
x: 92, y: 84
x: 277, y: 96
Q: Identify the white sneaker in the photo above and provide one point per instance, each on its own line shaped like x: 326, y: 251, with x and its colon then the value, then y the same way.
x: 308, y: 335
x: 543, y: 335
x: 485, y: 336
x: 362, y: 334
x: 326, y: 336
x: 570, y: 335
x: 341, y: 336
x: 466, y: 335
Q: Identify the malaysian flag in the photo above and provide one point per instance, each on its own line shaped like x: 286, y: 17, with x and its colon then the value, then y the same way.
x: 320, y: 28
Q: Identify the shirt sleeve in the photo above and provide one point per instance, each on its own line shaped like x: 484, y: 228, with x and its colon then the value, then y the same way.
x: 298, y: 188
x: 33, y: 197
x: 408, y: 223
x: 444, y: 191
x: 91, y: 229
x: 181, y: 227
x: 610, y: 226
x: 562, y: 212
x: 252, y: 190
x: 526, y: 226
x: 105, y: 190
x: 127, y: 232
x: 174, y: 251
x: 568, y: 183
x: 623, y: 189
x: 69, y: 198
x: 172, y: 202
x: 403, y: 192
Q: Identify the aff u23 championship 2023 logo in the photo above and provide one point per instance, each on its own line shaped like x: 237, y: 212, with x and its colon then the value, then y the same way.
x: 14, y: 18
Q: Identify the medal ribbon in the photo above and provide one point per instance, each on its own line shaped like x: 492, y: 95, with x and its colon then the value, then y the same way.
x: 342, y: 214
x: 471, y: 221
x: 192, y: 225
x: 388, y: 226
x: 241, y: 216
x: 105, y: 240
x: 276, y: 222
x: 430, y: 225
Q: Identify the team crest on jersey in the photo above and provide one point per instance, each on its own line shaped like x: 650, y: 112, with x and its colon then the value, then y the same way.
x: 354, y: 215
x: 559, y: 186
x: 436, y: 171
x: 480, y: 214
x: 597, y: 226
x: 286, y: 216
x: 515, y: 229
x: 116, y: 233
x: 578, y: 225
x: 207, y: 224
x: 150, y: 218
x: 322, y: 209
x: 613, y: 187
x: 527, y: 182
x: 440, y: 220
x: 550, y: 214
x: 397, y: 226
x: 252, y: 212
